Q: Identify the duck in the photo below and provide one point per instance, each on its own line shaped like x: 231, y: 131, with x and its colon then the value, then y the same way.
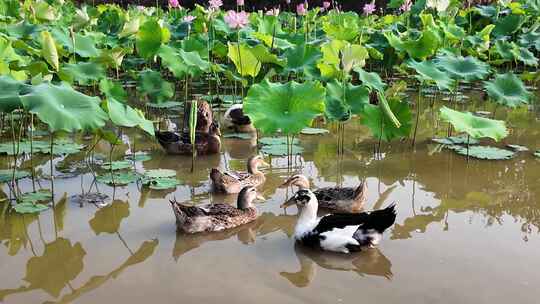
x: 339, y: 199
x: 235, y: 120
x: 233, y: 181
x: 217, y: 217
x: 339, y: 232
x: 179, y: 144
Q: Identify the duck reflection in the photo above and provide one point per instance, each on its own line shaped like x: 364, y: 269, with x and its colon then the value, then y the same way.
x: 369, y: 262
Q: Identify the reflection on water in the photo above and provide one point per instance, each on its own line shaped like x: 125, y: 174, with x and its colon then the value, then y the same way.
x: 81, y: 252
x: 369, y: 262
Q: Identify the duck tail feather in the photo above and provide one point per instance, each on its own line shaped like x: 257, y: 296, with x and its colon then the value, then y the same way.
x: 381, y: 219
x: 180, y: 215
x: 360, y: 193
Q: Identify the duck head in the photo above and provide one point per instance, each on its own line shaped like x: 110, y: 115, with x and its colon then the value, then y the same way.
x: 254, y: 162
x: 298, y: 180
x: 247, y: 196
x: 304, y: 199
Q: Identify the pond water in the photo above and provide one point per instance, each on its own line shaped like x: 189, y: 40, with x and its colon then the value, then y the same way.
x: 466, y: 231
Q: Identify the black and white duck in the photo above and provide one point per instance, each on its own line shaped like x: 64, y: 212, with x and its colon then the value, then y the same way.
x: 339, y: 232
x: 235, y: 120
x: 217, y: 217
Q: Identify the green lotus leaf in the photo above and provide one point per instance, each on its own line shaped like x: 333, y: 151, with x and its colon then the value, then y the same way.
x: 264, y: 56
x: 245, y: 61
x: 530, y: 39
x: 60, y: 147
x: 289, y: 107
x: 314, y: 131
x: 118, y: 178
x: 41, y: 196
x: 117, y: 165
x: 159, y: 173
x: 44, y: 11
x: 84, y: 73
x: 130, y: 28
x: 6, y: 175
x: 281, y: 150
x: 518, y: 148
x: 524, y: 55
x: 486, y: 10
x: 302, y: 59
x: 370, y: 79
x: 49, y: 51
x: 112, y: 89
x: 280, y: 140
x: 28, y: 207
x: 156, y: 88
x: 149, y: 39
x: 270, y: 40
x: 456, y: 140
x: 10, y: 89
x: 162, y: 183
x: 339, y: 106
x: 22, y: 29
x: 341, y: 26
x: 485, y: 152
x: 504, y: 49
x: 381, y: 126
x: 537, y: 153
x: 420, y: 48
x: 508, y: 90
x: 124, y: 115
x: 138, y: 157
x: 428, y: 72
x: 111, y: 57
x: 463, y: 68
x: 63, y: 108
x: 508, y: 25
x: 476, y: 127
x: 85, y: 46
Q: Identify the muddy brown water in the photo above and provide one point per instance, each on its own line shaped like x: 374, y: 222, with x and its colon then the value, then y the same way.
x: 466, y: 232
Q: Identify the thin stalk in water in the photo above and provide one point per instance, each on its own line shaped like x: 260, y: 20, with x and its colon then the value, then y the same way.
x: 417, y: 113
x: 52, y: 165
x: 192, y: 128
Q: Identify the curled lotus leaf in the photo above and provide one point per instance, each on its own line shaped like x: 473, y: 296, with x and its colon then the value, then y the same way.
x: 508, y: 90
x: 463, y: 68
x: 476, y: 127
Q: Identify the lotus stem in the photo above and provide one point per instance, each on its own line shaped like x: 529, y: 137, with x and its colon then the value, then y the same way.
x: 417, y: 113
x: 192, y: 127
x: 51, y: 164
x: 32, y: 152
x: 240, y: 61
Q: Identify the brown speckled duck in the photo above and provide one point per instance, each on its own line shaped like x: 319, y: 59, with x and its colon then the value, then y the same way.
x: 339, y: 199
x: 217, y: 217
x: 205, y: 143
x: 233, y: 181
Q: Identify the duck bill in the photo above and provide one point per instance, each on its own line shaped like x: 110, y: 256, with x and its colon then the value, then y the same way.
x: 263, y: 163
x: 288, y: 203
x: 286, y: 183
x: 260, y: 198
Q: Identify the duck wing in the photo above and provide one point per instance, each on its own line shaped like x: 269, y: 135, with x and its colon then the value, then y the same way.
x: 329, y: 194
x: 167, y: 137
x: 238, y: 175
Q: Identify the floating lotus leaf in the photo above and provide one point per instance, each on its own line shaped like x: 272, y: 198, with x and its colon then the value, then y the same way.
x: 371, y: 79
x: 6, y: 175
x: 157, y: 89
x: 28, y: 207
x: 463, y: 68
x: 63, y: 108
x: 518, y: 148
x: 290, y: 107
x: 281, y: 149
x: 508, y: 90
x: 138, y: 157
x: 118, y: 178
x: 277, y: 141
x: 159, y: 173
x: 60, y: 147
x: 428, y: 72
x: 381, y: 126
x: 83, y: 73
x: 238, y: 135
x: 456, y: 140
x: 162, y: 183
x: 314, y: 131
x: 485, y: 152
x: 41, y: 196
x: 340, y: 106
x: 117, y: 165
x: 476, y: 127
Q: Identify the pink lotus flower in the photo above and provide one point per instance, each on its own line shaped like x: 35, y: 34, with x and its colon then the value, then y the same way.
x: 301, y: 9
x: 369, y: 8
x: 326, y: 5
x: 174, y: 3
x: 240, y: 2
x: 288, y: 1
x: 406, y: 6
x: 273, y: 12
x: 189, y: 18
x: 236, y: 20
x: 215, y: 4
